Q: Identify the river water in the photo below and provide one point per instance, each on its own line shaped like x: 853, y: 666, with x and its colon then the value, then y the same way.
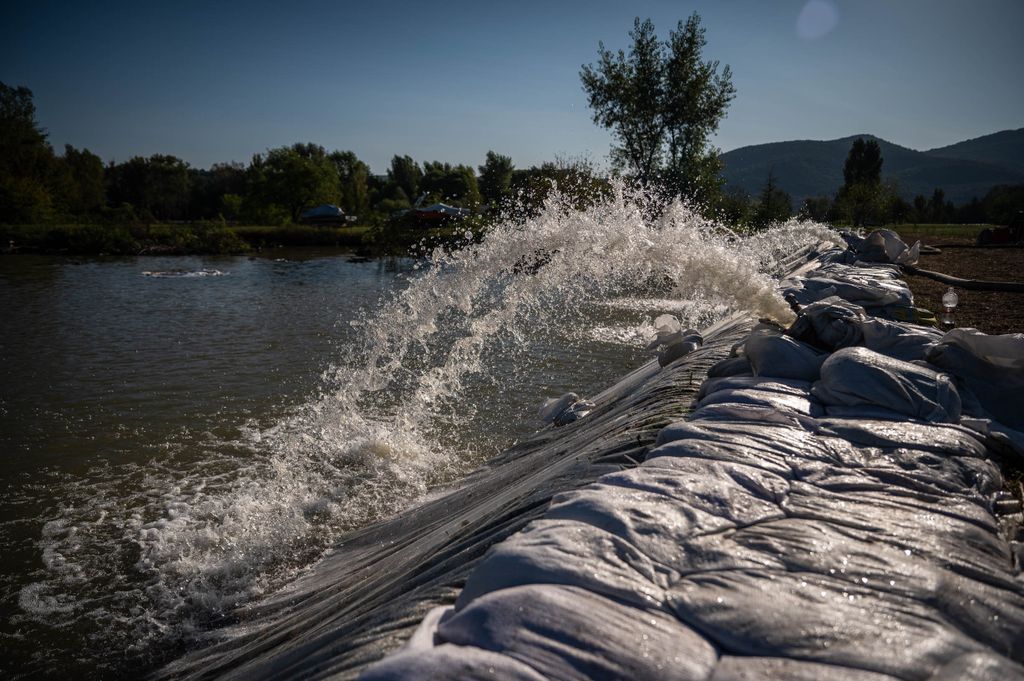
x: 183, y: 436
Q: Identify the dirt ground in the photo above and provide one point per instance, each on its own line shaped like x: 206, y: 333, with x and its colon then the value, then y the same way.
x: 991, y: 312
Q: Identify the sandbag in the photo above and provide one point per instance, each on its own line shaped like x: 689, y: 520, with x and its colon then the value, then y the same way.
x: 446, y: 662
x: 770, y: 353
x: 858, y: 376
x: 569, y: 633
x: 570, y: 553
x: 654, y: 509
x: 886, y: 246
x: 992, y: 367
x: 784, y: 386
x: 833, y: 323
x: 732, y: 668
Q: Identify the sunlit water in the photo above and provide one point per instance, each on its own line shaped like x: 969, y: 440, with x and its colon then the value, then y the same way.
x: 182, y: 436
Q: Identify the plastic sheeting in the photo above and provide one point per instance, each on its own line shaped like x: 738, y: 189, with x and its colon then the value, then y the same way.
x: 860, y: 377
x: 992, y: 367
x: 816, y: 516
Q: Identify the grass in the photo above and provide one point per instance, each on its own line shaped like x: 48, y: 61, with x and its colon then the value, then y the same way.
x: 258, y: 236
x: 172, y: 239
x: 940, y: 230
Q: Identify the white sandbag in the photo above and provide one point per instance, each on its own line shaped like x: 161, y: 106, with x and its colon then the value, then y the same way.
x: 554, y: 406
x: 885, y: 246
x: 677, y: 350
x: 654, y: 509
x: 732, y: 366
x: 830, y: 323
x: 941, y: 438
x: 979, y: 667
x: 569, y: 553
x: 871, y: 287
x: 833, y: 323
x: 568, y: 633
x: 816, y: 617
x: 772, y: 354
x: 784, y: 386
x: 796, y: 403
x: 992, y: 367
x: 447, y: 662
x: 732, y: 668
x: 858, y: 376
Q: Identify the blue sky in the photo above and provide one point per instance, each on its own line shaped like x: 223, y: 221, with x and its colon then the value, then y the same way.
x: 213, y: 82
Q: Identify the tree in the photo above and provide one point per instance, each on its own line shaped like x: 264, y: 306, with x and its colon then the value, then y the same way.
x: 406, y: 173
x: 157, y: 187
x: 354, y: 177
x: 444, y: 182
x: 775, y: 205
x: 496, y: 177
x: 818, y: 208
x: 87, y: 194
x: 299, y: 177
x: 27, y: 163
x: 662, y: 103
x: 861, y: 199
x: 863, y: 164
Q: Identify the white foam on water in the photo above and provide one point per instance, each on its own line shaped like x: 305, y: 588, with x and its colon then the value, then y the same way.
x: 187, y: 274
x: 162, y: 552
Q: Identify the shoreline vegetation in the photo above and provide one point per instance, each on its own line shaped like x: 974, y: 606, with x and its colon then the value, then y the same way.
x: 218, y: 238
x: 221, y: 238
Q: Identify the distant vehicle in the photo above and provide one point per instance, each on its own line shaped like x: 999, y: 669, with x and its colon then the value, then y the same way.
x: 1011, y: 234
x: 326, y: 214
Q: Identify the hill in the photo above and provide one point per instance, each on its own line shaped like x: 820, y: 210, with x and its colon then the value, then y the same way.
x: 806, y: 168
x: 1004, y: 148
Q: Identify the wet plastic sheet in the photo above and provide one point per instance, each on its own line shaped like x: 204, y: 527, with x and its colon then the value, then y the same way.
x: 833, y: 323
x: 773, y: 354
x: 885, y: 245
x: 854, y: 377
x: 875, y: 286
x: 816, y: 516
x: 992, y: 367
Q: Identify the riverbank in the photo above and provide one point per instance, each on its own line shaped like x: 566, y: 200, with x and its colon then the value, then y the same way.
x: 215, y: 238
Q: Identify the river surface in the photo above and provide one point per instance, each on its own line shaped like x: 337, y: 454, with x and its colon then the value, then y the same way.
x: 182, y: 437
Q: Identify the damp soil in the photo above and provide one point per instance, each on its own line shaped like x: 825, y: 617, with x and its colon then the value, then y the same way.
x: 992, y: 312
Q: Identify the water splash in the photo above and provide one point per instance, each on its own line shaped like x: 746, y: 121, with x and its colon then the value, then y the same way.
x: 441, y: 365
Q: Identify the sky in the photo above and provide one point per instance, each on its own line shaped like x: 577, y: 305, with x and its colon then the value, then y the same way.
x: 214, y: 82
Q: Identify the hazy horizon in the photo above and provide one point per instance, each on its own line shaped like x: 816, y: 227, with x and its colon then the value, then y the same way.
x: 218, y: 84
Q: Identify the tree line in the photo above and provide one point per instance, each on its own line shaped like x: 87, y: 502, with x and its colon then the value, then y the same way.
x: 866, y: 199
x: 39, y: 186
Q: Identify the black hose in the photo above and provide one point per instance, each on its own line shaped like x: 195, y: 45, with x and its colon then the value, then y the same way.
x: 969, y: 284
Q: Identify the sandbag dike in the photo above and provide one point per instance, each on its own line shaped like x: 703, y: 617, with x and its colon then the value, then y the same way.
x: 838, y: 521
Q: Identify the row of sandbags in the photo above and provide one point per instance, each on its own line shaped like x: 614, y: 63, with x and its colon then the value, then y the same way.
x: 824, y: 512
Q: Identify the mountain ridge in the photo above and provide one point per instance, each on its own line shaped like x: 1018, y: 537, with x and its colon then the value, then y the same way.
x: 806, y: 168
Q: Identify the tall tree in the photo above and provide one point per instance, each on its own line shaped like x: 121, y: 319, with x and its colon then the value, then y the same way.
x: 27, y: 162
x: 862, y: 199
x: 406, y: 173
x: 863, y: 164
x: 496, y: 177
x: 775, y: 204
x: 85, y: 170
x: 662, y: 102
x: 157, y: 187
x: 295, y: 178
x: 697, y: 97
x: 354, y: 177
